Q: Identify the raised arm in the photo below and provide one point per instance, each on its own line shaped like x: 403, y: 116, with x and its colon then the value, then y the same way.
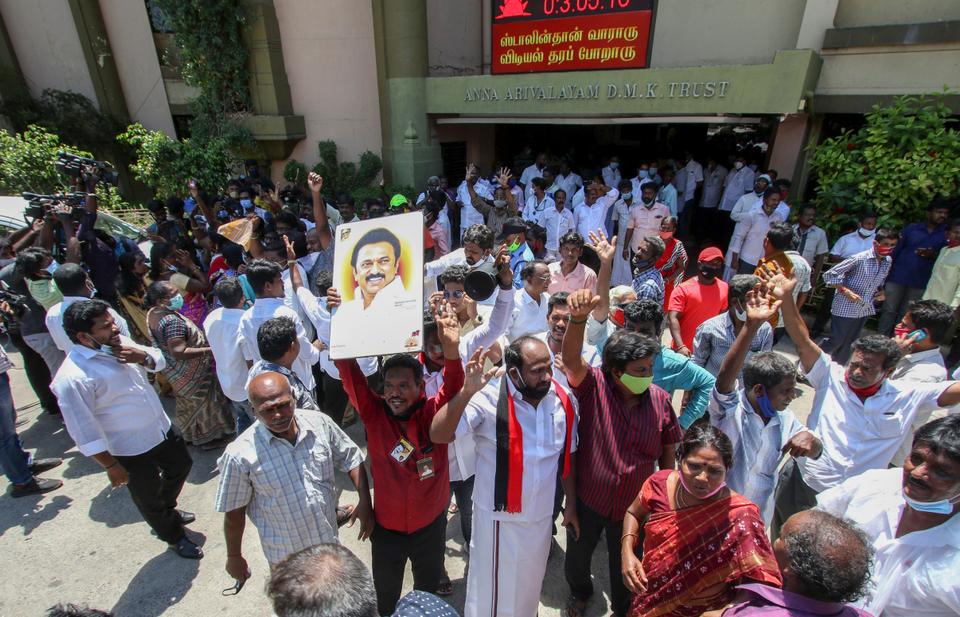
x: 486, y: 333
x: 443, y: 427
x: 781, y: 287
x: 295, y: 279
x: 605, y: 251
x: 315, y: 182
x: 760, y: 308
x: 581, y: 303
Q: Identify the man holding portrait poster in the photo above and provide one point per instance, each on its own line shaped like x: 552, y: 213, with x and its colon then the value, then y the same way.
x: 377, y: 265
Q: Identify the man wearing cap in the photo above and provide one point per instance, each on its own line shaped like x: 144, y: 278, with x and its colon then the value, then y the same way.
x: 514, y: 236
x: 696, y: 300
x: 740, y: 211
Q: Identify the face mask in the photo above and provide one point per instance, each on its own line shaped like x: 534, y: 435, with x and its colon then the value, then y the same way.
x: 627, y: 196
x: 722, y: 486
x: 246, y: 203
x: 709, y: 272
x: 642, y: 174
x: 513, y: 247
x: 741, y: 315
x: 882, y: 251
x: 643, y: 264
x: 900, y: 331
x: 176, y: 303
x: 866, y: 233
x: 944, y: 506
x: 614, y: 165
x: 52, y: 267
x: 531, y: 393
x: 666, y: 235
x: 500, y: 203
x: 738, y: 165
x: 647, y: 202
x: 652, y: 173
x: 766, y: 407
x: 637, y: 385
x: 233, y: 194
x: 953, y: 243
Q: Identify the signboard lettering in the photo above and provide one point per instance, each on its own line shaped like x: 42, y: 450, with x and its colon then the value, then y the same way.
x: 596, y: 91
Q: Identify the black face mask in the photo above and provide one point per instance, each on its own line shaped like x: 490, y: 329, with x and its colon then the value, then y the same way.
x: 709, y: 271
x: 534, y: 394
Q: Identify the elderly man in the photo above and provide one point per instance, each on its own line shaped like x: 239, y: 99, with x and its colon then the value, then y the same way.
x: 529, y: 315
x: 647, y: 280
x: 825, y: 563
x: 911, y: 517
x: 862, y: 417
x: 525, y: 428
x: 281, y: 474
x: 626, y: 427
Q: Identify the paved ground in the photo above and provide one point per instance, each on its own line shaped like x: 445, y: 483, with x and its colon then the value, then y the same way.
x: 86, y: 543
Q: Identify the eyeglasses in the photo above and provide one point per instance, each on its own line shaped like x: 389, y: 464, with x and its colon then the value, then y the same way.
x: 232, y: 591
x: 458, y: 293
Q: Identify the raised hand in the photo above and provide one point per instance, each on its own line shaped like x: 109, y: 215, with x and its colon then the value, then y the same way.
x: 776, y: 282
x: 605, y: 249
x: 333, y: 298
x: 315, y: 182
x: 503, y: 177
x: 474, y: 378
x: 448, y: 328
x: 504, y: 272
x: 291, y: 252
x: 581, y: 303
x: 761, y: 306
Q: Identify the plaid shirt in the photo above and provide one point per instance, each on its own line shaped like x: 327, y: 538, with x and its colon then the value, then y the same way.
x: 289, y: 489
x: 649, y: 285
x: 715, y: 337
x: 862, y: 274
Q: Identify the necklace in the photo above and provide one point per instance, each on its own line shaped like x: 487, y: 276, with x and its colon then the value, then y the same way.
x: 678, y: 498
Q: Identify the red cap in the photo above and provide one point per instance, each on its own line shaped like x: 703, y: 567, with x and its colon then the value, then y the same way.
x: 709, y: 254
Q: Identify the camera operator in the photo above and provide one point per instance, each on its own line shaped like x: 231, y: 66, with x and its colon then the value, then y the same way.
x: 97, y: 251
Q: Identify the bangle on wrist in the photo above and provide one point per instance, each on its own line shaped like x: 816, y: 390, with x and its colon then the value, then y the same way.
x: 291, y: 262
x: 627, y: 535
x: 578, y: 321
x: 113, y: 464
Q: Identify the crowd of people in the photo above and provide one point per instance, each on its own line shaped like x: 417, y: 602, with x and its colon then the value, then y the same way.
x: 546, y: 400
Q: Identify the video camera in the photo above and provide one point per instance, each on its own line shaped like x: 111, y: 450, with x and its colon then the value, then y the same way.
x: 18, y: 304
x: 40, y: 205
x: 84, y: 168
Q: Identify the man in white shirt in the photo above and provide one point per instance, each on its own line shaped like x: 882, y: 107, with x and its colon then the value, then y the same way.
x: 713, y: 178
x: 222, y: 327
x: 558, y: 221
x: 739, y: 181
x: 611, y: 173
x: 530, y: 303
x: 643, y: 177
x: 115, y: 417
x: 591, y: 215
x: 693, y: 179
x: 278, y: 254
x: 622, y: 219
x: 538, y: 201
x: 860, y: 415
x: 533, y: 171
x: 569, y: 182
x: 748, y: 248
x: 468, y: 214
x: 75, y: 285
x: 811, y: 240
x: 912, y: 518
x: 476, y: 250
x: 512, y: 529
x: 856, y: 241
x: 755, y: 415
x: 741, y: 209
x: 264, y: 277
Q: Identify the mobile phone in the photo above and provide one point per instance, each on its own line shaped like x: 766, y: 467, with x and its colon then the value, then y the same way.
x: 920, y: 334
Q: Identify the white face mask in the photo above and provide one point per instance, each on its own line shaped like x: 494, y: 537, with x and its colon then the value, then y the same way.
x: 740, y: 314
x: 866, y: 233
x: 614, y: 165
x: 738, y: 165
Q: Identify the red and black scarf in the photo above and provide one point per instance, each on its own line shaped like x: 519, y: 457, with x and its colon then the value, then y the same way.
x: 508, y: 483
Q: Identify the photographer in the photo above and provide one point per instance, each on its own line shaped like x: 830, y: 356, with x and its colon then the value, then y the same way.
x: 97, y: 251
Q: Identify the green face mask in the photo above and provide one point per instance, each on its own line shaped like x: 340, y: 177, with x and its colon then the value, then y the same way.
x: 637, y: 385
x: 513, y: 247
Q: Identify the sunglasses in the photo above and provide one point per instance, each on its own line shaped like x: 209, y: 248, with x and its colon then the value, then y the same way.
x: 453, y: 294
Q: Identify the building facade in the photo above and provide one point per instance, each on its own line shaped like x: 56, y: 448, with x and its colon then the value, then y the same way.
x: 433, y: 84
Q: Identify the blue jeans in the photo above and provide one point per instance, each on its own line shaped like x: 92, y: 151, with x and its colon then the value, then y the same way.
x: 244, y: 412
x: 13, y: 460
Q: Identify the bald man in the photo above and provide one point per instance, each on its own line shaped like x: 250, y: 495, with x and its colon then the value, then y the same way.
x: 281, y: 473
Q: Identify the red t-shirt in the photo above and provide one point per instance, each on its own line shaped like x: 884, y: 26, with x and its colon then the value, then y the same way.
x: 695, y: 304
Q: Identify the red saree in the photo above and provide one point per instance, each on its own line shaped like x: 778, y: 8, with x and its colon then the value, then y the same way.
x: 687, y: 552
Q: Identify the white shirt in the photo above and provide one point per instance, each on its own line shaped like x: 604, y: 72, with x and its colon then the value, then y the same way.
x: 557, y: 224
x: 468, y: 214
x: 738, y: 182
x: 392, y: 304
x: 859, y: 436
x: 713, y: 186
x: 636, y: 184
x: 435, y: 268
x: 290, y: 298
x: 591, y: 218
x: 529, y: 173
x: 569, y: 184
x: 319, y: 316
x: 816, y: 242
x: 920, y: 367
x: 54, y: 321
x: 589, y: 353
x: 611, y: 177
x: 528, y: 317
x: 544, y: 433
x: 268, y: 308
x: 694, y: 175
x: 108, y: 406
x: 222, y: 327
x: 579, y: 197
x: 851, y: 244
x: 756, y: 446
x: 749, y: 244
x: 740, y: 211
x: 914, y: 575
x: 461, y: 452
x: 782, y: 209
x: 533, y: 209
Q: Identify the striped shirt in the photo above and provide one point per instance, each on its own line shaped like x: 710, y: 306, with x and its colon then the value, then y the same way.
x: 289, y: 489
x: 862, y: 274
x: 715, y: 337
x: 619, y: 445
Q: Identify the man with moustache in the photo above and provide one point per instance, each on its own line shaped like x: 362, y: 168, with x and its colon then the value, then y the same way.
x: 281, y: 474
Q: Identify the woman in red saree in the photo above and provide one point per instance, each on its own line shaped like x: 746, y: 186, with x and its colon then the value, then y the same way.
x: 700, y: 539
x: 673, y: 263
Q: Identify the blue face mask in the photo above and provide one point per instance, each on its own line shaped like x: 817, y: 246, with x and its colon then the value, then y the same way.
x: 246, y: 203
x: 642, y: 173
x: 766, y: 407
x: 627, y: 195
x: 176, y: 303
x: 944, y: 506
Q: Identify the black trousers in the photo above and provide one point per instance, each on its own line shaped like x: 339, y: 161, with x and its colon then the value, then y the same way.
x: 392, y: 549
x: 155, y: 480
x: 334, y: 400
x: 38, y: 374
x: 576, y: 566
x: 791, y: 496
x: 463, y: 490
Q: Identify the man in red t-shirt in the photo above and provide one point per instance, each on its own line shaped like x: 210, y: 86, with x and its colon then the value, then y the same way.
x: 410, y: 472
x: 696, y: 300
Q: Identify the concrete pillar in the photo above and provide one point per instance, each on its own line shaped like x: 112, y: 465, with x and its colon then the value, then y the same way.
x: 13, y: 88
x: 787, y: 151
x: 818, y: 17
x: 99, y: 58
x: 410, y: 150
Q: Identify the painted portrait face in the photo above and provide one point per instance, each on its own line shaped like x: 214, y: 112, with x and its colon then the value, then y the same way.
x: 376, y: 267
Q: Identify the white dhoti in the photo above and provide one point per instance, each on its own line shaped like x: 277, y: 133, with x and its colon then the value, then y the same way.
x: 508, y: 560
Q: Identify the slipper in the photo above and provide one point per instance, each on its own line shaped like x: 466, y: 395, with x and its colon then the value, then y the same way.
x: 445, y: 587
x: 575, y: 607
